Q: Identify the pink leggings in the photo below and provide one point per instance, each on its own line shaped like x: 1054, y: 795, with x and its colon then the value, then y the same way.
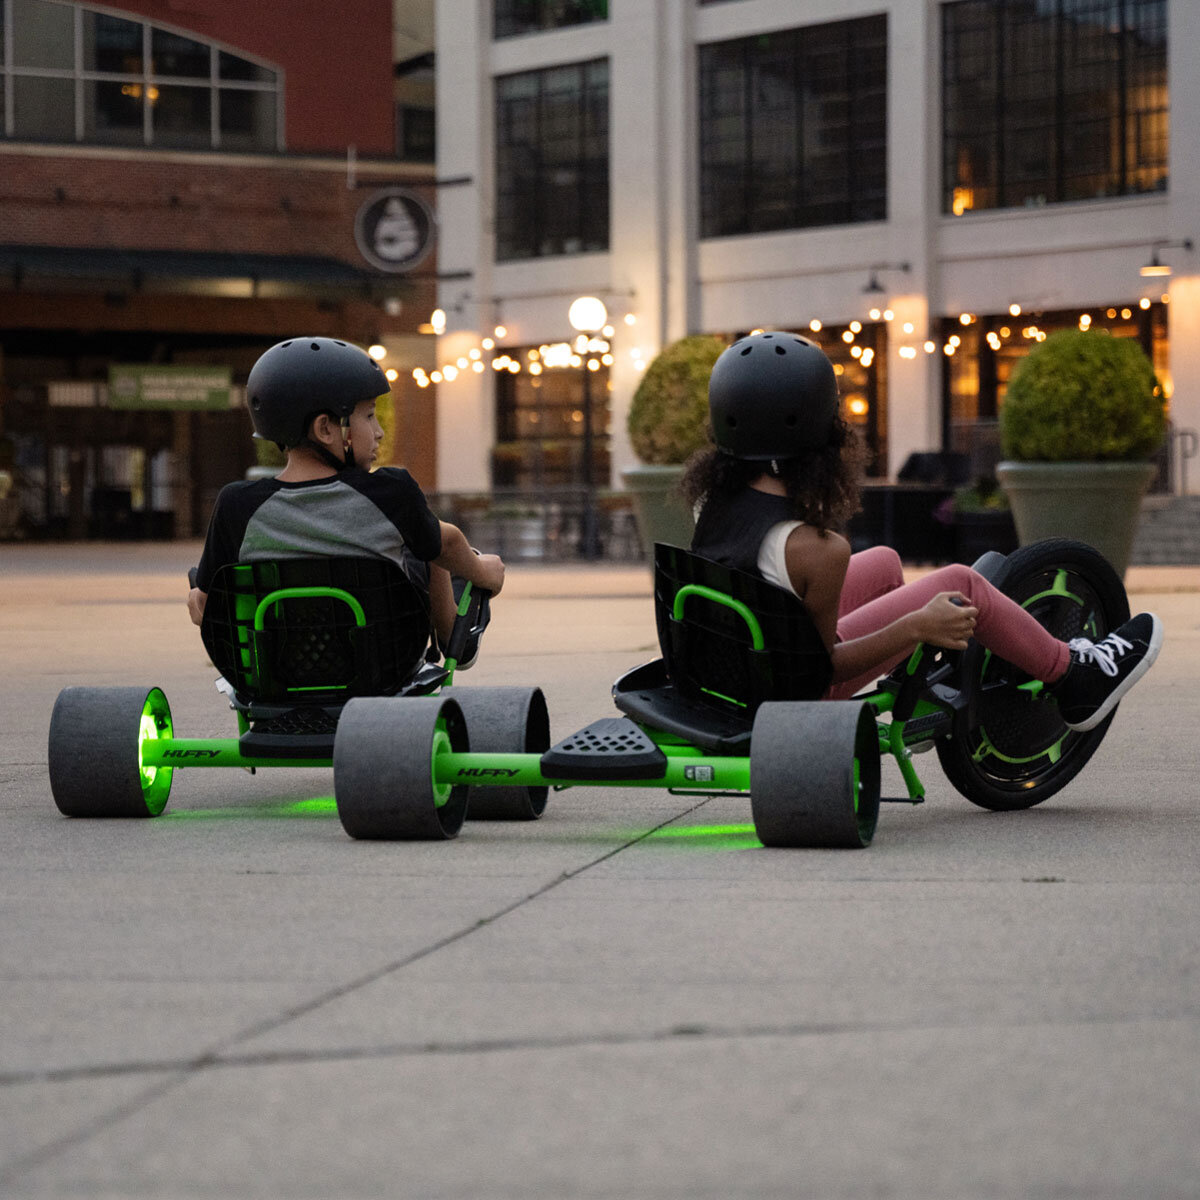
x: 875, y: 595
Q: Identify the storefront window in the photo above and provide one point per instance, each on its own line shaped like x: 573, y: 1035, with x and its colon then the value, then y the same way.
x: 988, y: 349
x: 541, y: 419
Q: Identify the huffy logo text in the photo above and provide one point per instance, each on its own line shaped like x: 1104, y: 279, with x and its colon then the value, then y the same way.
x: 190, y: 753
x: 486, y: 772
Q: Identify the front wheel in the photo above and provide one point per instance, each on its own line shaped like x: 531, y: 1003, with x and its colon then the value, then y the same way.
x: 1009, y: 748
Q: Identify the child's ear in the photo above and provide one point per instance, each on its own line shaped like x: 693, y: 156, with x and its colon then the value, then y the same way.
x: 322, y: 428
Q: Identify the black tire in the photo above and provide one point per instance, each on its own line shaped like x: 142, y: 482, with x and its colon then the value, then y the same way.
x: 94, y: 752
x: 1006, y: 749
x: 383, y: 768
x: 508, y: 720
x: 814, y: 774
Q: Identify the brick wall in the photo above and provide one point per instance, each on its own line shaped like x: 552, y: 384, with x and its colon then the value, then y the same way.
x: 154, y: 201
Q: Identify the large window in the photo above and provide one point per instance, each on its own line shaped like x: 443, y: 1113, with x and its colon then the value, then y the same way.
x: 68, y: 74
x: 542, y: 425
x: 552, y: 161
x: 1052, y: 100
x: 530, y: 16
x: 793, y: 128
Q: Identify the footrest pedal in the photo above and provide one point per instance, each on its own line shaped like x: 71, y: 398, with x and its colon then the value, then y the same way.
x: 611, y: 748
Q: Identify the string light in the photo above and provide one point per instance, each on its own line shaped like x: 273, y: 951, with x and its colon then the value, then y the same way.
x: 815, y: 325
x: 1014, y: 310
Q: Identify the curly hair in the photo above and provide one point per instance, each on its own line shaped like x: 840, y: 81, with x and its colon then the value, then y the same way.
x: 823, y: 485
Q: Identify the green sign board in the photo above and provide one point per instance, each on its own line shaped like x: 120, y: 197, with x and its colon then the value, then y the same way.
x: 172, y: 387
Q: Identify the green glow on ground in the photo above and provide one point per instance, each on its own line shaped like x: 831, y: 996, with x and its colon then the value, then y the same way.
x: 710, y: 837
x: 320, y: 807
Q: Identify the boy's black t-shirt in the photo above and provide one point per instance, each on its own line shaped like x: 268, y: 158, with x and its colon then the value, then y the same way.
x: 379, y: 514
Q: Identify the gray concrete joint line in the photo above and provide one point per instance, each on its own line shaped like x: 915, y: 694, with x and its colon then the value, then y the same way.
x: 181, y: 1073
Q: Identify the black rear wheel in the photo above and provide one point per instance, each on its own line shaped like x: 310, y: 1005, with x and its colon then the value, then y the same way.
x: 1009, y: 748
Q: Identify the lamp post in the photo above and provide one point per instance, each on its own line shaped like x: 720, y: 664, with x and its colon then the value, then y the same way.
x: 588, y: 316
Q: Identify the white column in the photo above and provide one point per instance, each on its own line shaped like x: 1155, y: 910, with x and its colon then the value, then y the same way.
x: 914, y: 383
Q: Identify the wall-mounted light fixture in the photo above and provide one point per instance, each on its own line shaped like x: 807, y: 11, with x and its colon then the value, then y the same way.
x: 874, y: 287
x: 1156, y: 266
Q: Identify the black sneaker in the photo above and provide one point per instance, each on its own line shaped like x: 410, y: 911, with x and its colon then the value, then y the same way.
x: 1100, y: 674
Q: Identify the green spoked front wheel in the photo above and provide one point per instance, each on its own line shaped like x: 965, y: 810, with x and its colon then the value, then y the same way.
x: 1009, y: 748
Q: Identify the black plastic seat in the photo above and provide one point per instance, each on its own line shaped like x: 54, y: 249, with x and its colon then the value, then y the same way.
x: 730, y: 642
x: 294, y: 661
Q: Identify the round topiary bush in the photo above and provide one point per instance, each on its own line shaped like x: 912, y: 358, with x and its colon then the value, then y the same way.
x: 1083, y: 396
x: 668, y: 417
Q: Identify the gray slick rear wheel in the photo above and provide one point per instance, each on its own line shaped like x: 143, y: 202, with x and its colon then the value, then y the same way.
x: 505, y: 720
x: 383, y: 768
x: 814, y: 774
x: 94, y: 751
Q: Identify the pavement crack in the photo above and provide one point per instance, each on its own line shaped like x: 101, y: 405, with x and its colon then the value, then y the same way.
x: 181, y: 1071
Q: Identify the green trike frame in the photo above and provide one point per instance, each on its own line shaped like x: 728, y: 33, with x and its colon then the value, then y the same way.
x: 731, y: 708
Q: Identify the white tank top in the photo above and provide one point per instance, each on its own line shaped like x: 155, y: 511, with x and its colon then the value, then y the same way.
x: 772, y: 561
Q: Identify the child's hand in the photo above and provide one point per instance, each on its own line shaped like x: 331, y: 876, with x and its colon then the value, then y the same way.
x: 948, y: 621
x: 489, y: 573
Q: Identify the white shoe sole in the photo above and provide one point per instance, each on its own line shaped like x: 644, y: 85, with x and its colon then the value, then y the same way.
x: 1114, y: 698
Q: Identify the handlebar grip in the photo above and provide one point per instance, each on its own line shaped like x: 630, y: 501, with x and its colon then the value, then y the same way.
x: 193, y: 575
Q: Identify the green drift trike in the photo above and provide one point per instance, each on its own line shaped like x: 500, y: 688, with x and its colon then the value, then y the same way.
x: 324, y: 662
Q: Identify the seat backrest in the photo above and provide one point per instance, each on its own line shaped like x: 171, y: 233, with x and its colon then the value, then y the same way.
x: 731, y: 640
x: 315, y: 630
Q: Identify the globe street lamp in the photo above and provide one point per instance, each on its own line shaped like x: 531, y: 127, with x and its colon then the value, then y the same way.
x: 588, y: 315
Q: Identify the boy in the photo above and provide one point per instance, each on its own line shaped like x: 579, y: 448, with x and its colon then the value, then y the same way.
x: 315, y: 398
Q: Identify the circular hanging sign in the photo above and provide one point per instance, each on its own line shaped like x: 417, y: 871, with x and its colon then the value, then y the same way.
x: 394, y: 230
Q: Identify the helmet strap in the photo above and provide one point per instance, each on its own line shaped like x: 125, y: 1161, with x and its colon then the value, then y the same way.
x: 327, y: 456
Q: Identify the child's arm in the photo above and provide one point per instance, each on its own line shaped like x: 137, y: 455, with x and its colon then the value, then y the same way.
x: 457, y: 557
x: 817, y: 570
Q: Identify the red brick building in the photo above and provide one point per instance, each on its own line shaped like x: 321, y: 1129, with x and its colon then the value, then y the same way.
x: 183, y: 183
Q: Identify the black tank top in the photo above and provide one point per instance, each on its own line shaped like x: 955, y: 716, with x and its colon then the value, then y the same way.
x: 730, y: 529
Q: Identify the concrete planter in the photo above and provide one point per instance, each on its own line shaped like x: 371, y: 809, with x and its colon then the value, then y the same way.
x: 661, y: 513
x: 1097, y: 503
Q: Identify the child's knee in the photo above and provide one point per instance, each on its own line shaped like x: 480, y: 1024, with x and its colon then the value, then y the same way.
x: 886, y: 565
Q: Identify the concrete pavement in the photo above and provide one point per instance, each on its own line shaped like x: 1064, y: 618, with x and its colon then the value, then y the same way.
x: 627, y: 998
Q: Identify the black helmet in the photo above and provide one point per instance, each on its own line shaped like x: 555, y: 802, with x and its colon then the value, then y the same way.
x: 295, y: 380
x: 772, y: 395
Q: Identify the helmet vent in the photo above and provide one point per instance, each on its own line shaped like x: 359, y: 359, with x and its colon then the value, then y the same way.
x: 313, y: 346
x: 337, y: 343
x: 285, y: 345
x: 780, y: 350
x: 747, y: 351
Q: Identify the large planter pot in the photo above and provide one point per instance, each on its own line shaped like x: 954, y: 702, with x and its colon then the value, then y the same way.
x: 975, y: 533
x: 662, y: 515
x: 1097, y: 503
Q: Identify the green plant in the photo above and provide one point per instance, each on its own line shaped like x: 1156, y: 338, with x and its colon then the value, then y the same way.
x: 1083, y: 396
x: 983, y: 496
x: 668, y: 417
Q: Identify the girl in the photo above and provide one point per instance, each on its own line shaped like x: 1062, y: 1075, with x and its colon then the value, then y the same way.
x: 784, y: 473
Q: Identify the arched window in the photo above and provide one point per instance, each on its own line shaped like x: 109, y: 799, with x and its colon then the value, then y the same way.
x: 75, y: 74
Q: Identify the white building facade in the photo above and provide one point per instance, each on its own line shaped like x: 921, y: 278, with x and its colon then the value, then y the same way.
x: 926, y: 187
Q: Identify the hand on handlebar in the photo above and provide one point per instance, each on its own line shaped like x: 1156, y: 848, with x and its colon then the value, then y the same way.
x: 948, y: 621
